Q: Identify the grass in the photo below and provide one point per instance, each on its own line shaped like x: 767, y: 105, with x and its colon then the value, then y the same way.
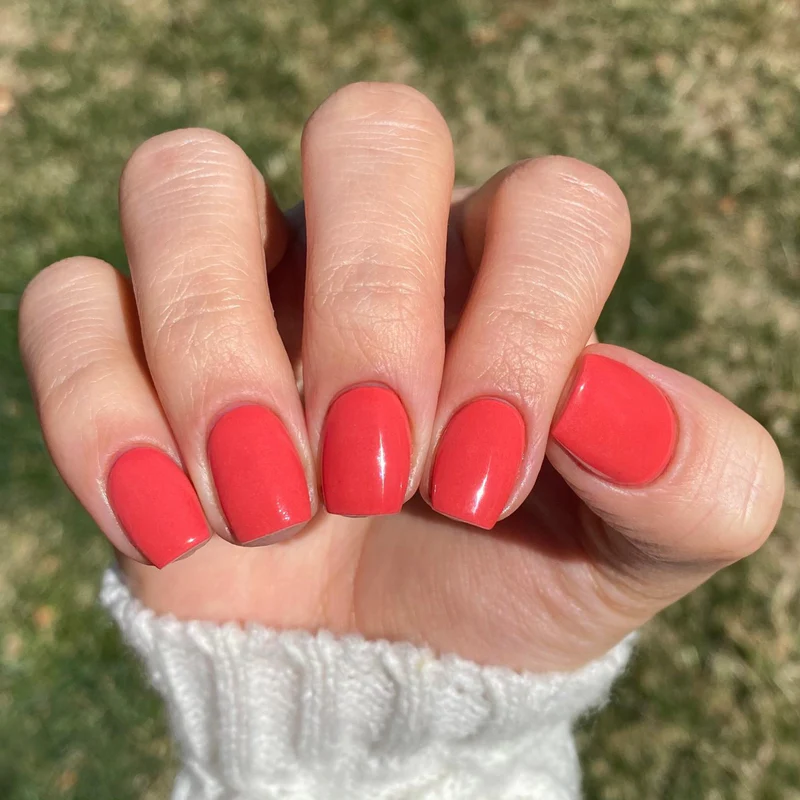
x: 691, y: 105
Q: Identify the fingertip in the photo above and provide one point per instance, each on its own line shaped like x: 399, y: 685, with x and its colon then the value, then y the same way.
x: 752, y: 477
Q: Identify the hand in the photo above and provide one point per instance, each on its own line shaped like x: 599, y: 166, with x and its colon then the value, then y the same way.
x: 617, y: 485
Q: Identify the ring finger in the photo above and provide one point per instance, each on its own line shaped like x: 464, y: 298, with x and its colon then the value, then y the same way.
x: 548, y: 238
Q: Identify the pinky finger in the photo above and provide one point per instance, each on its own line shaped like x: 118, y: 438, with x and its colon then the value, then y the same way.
x: 100, y: 415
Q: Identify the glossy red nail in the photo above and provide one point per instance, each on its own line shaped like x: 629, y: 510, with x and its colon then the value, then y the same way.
x: 617, y: 423
x: 477, y: 462
x: 259, y: 477
x: 156, y: 505
x: 366, y: 453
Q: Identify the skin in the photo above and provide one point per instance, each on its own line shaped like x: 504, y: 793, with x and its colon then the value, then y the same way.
x: 356, y: 277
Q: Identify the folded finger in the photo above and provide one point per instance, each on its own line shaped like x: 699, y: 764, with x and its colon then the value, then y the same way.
x: 197, y: 225
x: 551, y: 238
x: 99, y: 412
x: 378, y: 174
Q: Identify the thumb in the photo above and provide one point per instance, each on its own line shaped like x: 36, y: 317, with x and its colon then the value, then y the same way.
x: 677, y: 481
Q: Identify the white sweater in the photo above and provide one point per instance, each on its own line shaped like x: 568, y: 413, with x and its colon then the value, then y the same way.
x: 260, y: 714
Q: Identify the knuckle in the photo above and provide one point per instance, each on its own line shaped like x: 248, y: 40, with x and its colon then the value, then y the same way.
x: 369, y: 105
x: 189, y: 154
x: 200, y: 328
x: 381, y: 313
x: 63, y: 276
x: 575, y: 189
x: 754, y: 480
x: 570, y: 176
x: 519, y: 364
x: 360, y: 274
x: 201, y: 319
x: 525, y: 343
x: 736, y: 492
x: 85, y: 382
x: 55, y: 289
x: 545, y: 300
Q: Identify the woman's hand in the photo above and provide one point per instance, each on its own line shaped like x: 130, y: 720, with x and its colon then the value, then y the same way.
x: 616, y: 484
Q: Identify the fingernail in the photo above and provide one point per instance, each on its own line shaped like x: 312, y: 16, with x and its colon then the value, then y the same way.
x: 366, y: 453
x: 617, y: 423
x: 477, y: 462
x: 156, y: 505
x: 259, y: 477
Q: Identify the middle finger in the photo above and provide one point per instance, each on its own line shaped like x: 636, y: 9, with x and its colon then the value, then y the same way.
x: 378, y: 176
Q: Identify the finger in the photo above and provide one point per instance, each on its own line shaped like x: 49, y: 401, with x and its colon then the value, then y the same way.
x: 378, y: 175
x: 99, y: 412
x: 652, y: 483
x: 465, y: 245
x: 674, y: 473
x: 273, y: 226
x: 556, y: 234
x: 196, y: 239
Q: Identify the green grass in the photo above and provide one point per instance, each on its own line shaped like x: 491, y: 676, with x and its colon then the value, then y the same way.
x: 693, y: 106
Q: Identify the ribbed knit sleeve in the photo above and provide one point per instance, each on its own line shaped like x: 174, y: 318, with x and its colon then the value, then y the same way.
x: 260, y: 714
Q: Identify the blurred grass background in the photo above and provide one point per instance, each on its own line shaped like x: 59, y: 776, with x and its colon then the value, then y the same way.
x: 693, y: 106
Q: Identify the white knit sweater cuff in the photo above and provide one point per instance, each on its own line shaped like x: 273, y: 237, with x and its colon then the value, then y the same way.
x: 261, y: 714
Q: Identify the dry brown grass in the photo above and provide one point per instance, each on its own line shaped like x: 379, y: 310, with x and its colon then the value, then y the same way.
x: 692, y: 106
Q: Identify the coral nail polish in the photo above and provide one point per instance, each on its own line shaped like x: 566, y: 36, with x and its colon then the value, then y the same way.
x: 259, y: 477
x: 617, y: 423
x: 156, y: 505
x: 477, y: 462
x: 366, y: 453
